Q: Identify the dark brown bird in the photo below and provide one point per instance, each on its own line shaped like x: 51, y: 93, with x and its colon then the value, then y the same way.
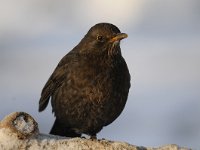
x: 90, y: 85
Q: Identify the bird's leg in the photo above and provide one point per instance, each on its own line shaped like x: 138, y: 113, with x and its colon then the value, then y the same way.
x: 93, y: 137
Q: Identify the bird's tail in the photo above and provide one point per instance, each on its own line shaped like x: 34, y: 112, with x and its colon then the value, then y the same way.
x: 59, y: 129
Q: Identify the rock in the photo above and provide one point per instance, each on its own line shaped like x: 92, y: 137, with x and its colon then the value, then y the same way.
x: 20, y: 131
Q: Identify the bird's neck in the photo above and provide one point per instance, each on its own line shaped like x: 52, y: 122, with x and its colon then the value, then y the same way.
x: 103, y: 56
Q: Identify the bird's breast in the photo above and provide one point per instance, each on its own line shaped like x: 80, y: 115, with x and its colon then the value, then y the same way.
x: 93, y: 92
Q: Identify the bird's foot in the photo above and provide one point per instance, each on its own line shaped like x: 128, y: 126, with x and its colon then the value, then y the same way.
x: 93, y: 137
x: 83, y: 137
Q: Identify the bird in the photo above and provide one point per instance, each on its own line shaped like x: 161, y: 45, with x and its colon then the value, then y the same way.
x: 89, y: 87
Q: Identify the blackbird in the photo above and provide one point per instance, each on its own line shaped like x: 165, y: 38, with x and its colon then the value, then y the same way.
x: 90, y: 85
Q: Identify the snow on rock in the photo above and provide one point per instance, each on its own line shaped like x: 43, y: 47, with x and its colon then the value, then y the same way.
x: 23, y: 124
x: 20, y: 131
x: 20, y: 124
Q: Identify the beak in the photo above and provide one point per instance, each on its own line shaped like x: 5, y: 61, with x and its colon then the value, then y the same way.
x: 119, y: 37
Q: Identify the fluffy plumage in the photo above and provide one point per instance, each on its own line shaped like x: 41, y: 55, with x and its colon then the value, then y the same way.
x: 90, y: 85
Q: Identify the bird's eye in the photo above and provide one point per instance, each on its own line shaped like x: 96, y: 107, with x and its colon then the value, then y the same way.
x: 100, y: 38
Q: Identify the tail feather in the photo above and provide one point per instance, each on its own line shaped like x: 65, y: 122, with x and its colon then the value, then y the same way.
x: 59, y: 129
x: 43, y: 103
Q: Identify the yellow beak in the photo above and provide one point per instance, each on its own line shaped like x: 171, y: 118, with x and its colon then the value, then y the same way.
x: 119, y: 37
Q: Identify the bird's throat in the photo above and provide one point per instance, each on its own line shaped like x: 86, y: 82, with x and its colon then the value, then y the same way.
x: 114, y: 49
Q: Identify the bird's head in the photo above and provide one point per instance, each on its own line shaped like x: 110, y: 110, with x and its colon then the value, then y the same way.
x: 102, y: 38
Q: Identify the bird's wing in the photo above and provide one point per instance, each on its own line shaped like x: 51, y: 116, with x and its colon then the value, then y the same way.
x: 55, y: 80
x: 52, y: 84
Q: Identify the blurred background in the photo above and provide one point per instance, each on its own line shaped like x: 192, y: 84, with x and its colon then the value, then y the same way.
x: 162, y: 52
